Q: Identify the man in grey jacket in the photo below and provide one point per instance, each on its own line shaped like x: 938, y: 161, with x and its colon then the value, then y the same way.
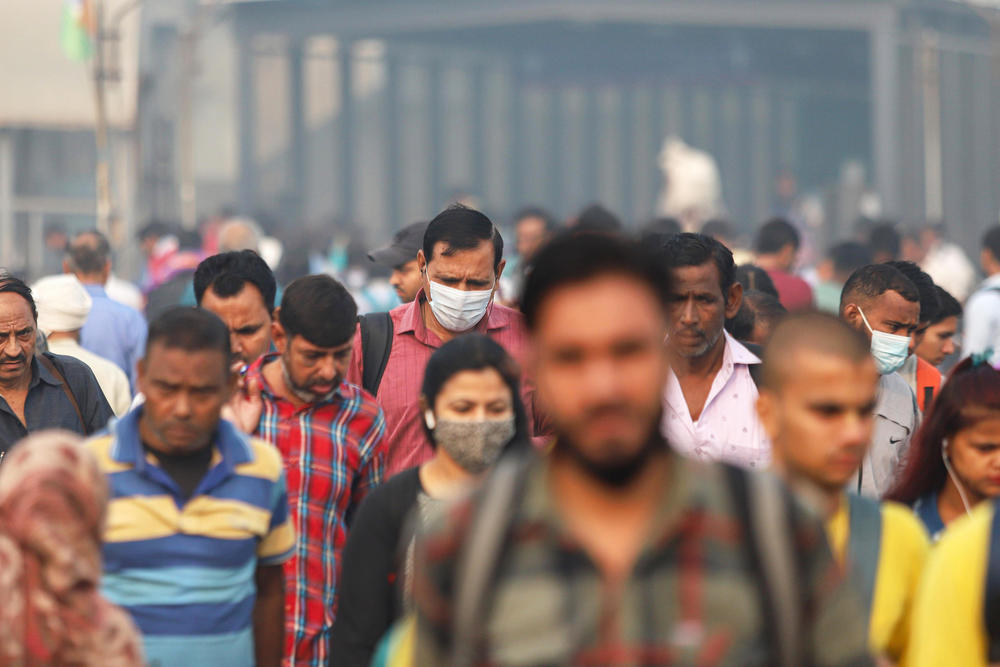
x: 882, y: 303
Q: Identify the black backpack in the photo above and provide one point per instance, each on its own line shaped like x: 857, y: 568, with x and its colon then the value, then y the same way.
x: 376, y: 344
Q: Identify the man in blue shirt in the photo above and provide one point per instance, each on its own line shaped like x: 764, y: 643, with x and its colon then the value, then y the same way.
x: 112, y: 330
x: 198, y: 523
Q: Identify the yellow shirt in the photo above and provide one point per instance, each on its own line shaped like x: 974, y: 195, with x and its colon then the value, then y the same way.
x: 902, y: 552
x: 948, y: 623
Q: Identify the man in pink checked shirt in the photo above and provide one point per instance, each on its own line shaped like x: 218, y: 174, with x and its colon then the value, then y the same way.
x: 460, y: 264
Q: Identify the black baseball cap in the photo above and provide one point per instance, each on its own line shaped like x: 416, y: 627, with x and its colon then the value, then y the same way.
x: 405, y: 244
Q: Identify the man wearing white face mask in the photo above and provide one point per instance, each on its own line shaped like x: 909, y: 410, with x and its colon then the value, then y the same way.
x: 884, y: 305
x: 460, y: 264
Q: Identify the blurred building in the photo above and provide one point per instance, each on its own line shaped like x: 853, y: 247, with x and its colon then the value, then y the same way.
x: 377, y: 113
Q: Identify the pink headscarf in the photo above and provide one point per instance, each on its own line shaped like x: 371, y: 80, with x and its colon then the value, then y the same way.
x: 52, y: 504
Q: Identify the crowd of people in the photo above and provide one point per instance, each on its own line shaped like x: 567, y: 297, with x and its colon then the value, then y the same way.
x: 608, y: 447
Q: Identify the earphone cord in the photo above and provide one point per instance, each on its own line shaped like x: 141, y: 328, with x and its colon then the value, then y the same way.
x: 958, y: 484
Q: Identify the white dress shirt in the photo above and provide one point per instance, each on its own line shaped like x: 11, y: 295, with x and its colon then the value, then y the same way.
x: 981, y: 320
x: 728, y: 428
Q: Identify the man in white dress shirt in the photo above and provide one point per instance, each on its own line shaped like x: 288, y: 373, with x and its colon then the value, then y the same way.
x: 63, y: 305
x: 710, y: 396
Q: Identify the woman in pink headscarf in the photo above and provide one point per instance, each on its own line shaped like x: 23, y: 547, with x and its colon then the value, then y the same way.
x: 52, y: 506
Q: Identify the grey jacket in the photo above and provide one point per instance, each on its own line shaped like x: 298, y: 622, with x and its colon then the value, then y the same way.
x: 896, y: 419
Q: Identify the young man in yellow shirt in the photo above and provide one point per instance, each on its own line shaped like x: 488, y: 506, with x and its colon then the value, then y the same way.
x: 817, y: 399
x: 950, y: 613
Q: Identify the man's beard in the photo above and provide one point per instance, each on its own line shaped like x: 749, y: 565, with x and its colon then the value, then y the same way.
x: 304, y: 394
x: 616, y: 474
x: 703, y: 349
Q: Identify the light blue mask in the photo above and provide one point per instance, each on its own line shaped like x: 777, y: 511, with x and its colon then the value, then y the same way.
x: 889, y: 350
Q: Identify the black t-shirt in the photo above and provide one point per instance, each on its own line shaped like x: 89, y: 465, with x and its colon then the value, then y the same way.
x: 368, y: 602
x: 187, y: 470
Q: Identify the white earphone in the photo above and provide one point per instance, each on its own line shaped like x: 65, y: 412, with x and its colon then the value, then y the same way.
x: 429, y: 419
x: 954, y: 477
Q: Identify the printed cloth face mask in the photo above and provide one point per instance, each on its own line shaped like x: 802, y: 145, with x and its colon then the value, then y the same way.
x: 457, y: 310
x: 889, y: 350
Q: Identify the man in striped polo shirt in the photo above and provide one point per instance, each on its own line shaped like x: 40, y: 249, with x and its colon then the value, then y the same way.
x: 198, y: 525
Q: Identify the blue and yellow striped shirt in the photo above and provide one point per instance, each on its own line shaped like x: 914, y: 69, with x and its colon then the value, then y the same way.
x: 184, y: 568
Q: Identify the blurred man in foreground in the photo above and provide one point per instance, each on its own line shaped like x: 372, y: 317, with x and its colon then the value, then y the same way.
x: 613, y: 549
x: 817, y: 401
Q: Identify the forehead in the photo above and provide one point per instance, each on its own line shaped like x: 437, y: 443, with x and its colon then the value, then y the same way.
x: 892, y: 306
x: 628, y: 308
x: 14, y: 310
x: 480, y: 382
x: 531, y: 223
x: 701, y: 278
x: 816, y: 376
x: 186, y: 366
x: 303, y: 345
x: 248, y: 300
x: 480, y: 257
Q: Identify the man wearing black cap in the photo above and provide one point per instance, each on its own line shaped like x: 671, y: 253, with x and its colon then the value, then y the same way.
x: 401, y: 257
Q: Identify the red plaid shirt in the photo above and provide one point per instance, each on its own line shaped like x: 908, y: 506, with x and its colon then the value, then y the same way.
x: 334, y: 453
x: 399, y: 392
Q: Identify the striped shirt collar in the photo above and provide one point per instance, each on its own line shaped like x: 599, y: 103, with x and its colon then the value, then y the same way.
x: 231, y: 447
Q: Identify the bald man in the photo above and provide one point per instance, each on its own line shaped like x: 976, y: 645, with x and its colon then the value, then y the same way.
x: 817, y: 400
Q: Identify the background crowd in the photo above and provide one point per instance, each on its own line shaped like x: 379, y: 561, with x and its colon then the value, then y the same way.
x: 599, y: 444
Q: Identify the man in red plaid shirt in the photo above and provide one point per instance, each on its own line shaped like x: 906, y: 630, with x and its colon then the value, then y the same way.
x: 330, y: 434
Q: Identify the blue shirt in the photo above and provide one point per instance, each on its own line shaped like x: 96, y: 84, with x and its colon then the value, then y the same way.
x: 184, y: 568
x: 926, y: 509
x: 114, y: 331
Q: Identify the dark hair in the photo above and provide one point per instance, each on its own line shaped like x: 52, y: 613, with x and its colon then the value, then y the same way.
x: 89, y: 252
x: 765, y: 306
x: 884, y: 238
x: 752, y: 277
x: 474, y: 352
x: 461, y: 228
x: 874, y: 280
x: 190, y: 329
x: 551, y: 224
x: 574, y: 257
x: 929, y: 303
x: 950, y: 307
x: 969, y: 389
x: 658, y: 231
x: 774, y: 235
x: 741, y: 325
x: 14, y: 285
x: 319, y: 309
x: 696, y: 249
x: 596, y: 218
x: 991, y: 241
x: 227, y: 273
x: 849, y: 256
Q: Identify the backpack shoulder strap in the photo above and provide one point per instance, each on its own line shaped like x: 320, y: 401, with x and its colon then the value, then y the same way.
x: 991, y: 604
x: 766, y: 515
x: 863, y: 546
x: 50, y: 366
x: 480, y: 555
x: 376, y: 344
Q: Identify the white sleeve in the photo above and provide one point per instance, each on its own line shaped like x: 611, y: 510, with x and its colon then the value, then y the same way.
x: 979, y: 331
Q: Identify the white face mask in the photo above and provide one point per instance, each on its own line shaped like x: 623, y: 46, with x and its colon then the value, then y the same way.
x: 889, y: 350
x: 457, y: 310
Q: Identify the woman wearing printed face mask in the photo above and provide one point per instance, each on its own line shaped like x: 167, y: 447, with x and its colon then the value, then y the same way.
x: 954, y: 460
x: 472, y: 413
